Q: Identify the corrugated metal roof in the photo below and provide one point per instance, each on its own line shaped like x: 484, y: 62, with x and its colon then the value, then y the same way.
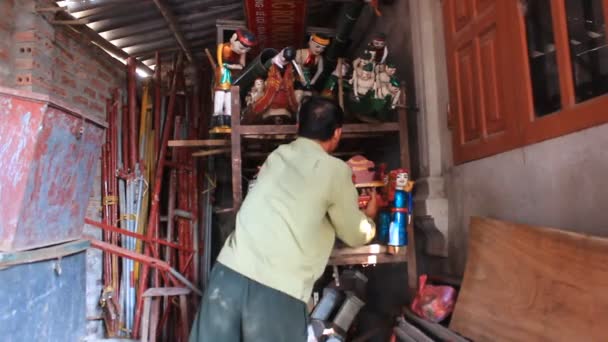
x: 139, y: 28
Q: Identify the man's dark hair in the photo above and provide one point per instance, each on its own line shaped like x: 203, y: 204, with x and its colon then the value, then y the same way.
x: 319, y: 117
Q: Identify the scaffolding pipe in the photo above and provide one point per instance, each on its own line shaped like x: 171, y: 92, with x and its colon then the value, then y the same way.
x: 132, y: 103
x: 155, y: 196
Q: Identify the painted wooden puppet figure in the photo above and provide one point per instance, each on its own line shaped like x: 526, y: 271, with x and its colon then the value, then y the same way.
x: 256, y: 91
x: 384, y: 76
x: 390, y: 92
x: 230, y: 59
x: 330, y: 89
x: 377, y: 47
x: 401, y: 209
x: 310, y: 62
x: 364, y: 58
x: 364, y: 81
x: 278, y: 104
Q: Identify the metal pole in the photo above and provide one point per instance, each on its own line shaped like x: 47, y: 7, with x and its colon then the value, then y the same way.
x: 156, y: 192
x: 132, y: 103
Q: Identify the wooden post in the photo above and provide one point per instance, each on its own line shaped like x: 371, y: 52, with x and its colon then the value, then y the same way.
x: 237, y: 189
x: 412, y: 273
x: 340, y: 85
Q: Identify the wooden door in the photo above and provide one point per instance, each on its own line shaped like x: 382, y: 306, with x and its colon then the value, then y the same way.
x: 478, y: 82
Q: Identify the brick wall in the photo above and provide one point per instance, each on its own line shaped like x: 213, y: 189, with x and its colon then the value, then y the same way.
x: 6, y: 32
x: 54, y: 60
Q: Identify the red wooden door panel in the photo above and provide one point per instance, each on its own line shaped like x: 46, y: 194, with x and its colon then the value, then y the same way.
x: 476, y: 47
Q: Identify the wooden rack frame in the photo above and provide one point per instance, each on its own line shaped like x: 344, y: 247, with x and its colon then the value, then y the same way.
x: 343, y: 256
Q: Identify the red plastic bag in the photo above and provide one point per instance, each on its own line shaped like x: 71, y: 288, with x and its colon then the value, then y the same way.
x: 433, y: 303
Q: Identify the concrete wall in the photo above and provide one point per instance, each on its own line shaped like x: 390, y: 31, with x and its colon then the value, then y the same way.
x: 54, y: 60
x: 558, y: 183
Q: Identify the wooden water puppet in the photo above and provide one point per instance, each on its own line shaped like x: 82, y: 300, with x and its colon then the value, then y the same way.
x: 230, y: 59
x: 311, y: 63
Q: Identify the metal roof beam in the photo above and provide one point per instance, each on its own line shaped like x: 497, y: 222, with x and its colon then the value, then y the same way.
x: 190, y: 6
x: 124, y: 18
x: 130, y: 30
x: 83, y: 5
x: 170, y: 18
x: 198, y: 50
x: 139, y: 49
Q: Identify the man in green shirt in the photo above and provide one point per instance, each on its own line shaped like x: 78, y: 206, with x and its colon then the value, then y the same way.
x: 285, y: 232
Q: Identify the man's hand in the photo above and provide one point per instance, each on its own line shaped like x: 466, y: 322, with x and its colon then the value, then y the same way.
x: 371, y: 210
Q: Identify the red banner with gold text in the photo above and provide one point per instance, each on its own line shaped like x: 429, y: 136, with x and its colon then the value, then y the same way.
x: 277, y: 23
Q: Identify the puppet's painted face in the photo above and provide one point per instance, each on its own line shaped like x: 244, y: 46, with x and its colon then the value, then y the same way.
x: 378, y: 44
x: 366, y: 75
x: 259, y: 84
x: 390, y: 70
x: 393, y: 89
x: 315, y: 48
x: 402, y: 179
x: 238, y: 47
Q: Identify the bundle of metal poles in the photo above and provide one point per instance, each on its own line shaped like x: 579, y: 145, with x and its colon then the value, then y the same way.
x: 140, y: 249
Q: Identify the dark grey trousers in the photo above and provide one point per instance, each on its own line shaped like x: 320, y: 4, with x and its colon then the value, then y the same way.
x: 238, y: 309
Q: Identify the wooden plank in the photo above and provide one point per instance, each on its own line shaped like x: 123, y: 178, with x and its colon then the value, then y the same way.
x: 368, y: 259
x: 199, y: 143
x: 25, y: 257
x: 174, y: 27
x: 184, y: 320
x: 525, y: 283
x: 205, y: 153
x: 237, y: 186
x: 166, y: 291
x: 154, y: 319
x: 369, y: 249
x: 436, y: 329
x: 55, y: 9
x: 94, y: 37
x: 562, y: 48
x: 291, y: 129
x: 145, y: 321
x: 69, y: 22
x: 412, y: 267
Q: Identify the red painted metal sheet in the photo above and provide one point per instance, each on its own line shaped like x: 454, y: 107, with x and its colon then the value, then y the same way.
x: 47, y: 155
x: 277, y: 23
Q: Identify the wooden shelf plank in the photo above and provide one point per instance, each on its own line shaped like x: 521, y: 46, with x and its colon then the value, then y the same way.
x: 291, y: 129
x: 199, y: 143
x: 205, y: 153
x: 366, y: 255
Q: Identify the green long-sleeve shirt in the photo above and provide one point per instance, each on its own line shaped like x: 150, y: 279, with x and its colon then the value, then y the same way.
x: 286, y: 227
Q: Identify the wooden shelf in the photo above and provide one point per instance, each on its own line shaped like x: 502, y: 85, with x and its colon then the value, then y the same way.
x: 366, y: 255
x: 291, y: 129
x: 360, y: 256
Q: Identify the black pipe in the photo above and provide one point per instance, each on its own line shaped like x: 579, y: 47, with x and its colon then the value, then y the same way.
x: 347, y: 19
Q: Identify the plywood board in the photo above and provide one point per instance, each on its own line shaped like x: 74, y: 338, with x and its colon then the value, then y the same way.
x: 525, y: 283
